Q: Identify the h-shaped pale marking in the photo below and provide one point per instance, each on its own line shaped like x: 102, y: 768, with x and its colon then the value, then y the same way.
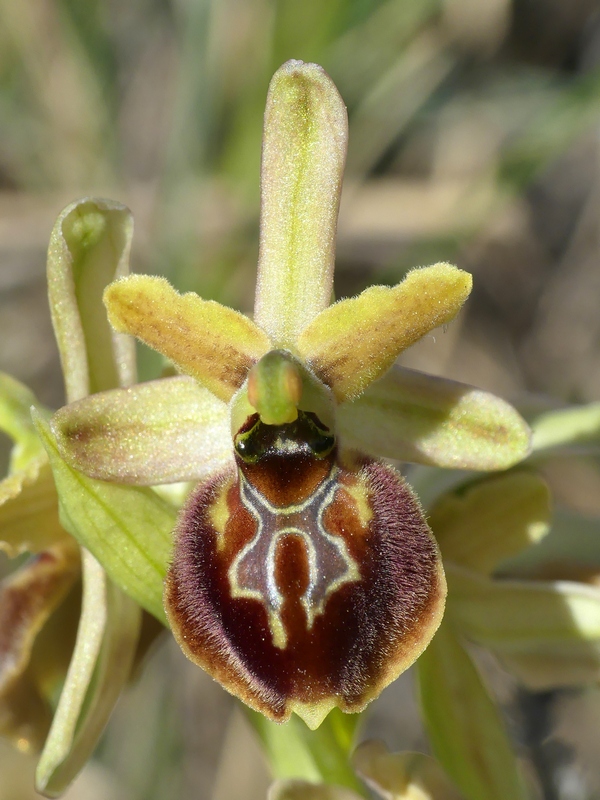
x: 330, y: 565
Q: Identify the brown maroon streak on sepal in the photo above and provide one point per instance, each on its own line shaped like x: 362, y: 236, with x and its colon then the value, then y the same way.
x: 370, y: 628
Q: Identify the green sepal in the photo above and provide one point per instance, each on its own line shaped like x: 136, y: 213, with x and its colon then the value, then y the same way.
x: 101, y: 664
x: 411, y: 416
x: 128, y: 529
x: 89, y: 248
x: 304, y: 151
x: 163, y: 431
x: 466, y: 732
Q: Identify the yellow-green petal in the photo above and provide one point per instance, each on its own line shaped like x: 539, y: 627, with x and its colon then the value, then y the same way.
x: 162, y: 431
x: 214, y: 344
x: 491, y: 520
x: 412, y: 416
x: 546, y: 633
x: 354, y: 341
x: 128, y: 529
x: 102, y: 660
x: 89, y: 248
x: 464, y: 725
x: 402, y: 776
x: 304, y: 151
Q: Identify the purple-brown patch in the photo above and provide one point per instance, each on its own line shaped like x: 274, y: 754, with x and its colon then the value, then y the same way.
x: 321, y: 600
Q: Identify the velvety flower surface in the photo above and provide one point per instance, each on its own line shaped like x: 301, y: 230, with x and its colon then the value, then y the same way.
x: 304, y: 575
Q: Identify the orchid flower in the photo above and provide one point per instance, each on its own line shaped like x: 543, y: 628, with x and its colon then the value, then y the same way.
x: 303, y: 574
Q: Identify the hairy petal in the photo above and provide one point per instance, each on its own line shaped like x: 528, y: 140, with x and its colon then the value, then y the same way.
x: 354, y: 341
x: 304, y: 150
x: 214, y: 344
x: 162, y: 431
x: 491, y: 520
x: 464, y: 726
x: 304, y: 584
x: 412, y: 416
x: 102, y: 660
x: 89, y: 248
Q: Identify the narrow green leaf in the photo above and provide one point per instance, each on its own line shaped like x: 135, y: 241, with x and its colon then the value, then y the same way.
x: 106, y: 642
x: 162, y: 431
x: 465, y: 728
x: 128, y: 529
x: 89, y: 248
x: 304, y: 151
x: 567, y: 431
x: 294, y: 751
x: 411, y: 416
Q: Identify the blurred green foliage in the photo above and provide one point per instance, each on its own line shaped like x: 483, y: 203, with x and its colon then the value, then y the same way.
x: 159, y: 103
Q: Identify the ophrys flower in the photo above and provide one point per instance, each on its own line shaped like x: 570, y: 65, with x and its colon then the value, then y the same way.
x: 304, y: 575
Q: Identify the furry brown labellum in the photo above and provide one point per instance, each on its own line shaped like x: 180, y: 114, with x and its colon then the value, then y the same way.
x: 303, y: 580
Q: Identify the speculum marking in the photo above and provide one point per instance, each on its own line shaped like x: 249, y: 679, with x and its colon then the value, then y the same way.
x: 330, y: 565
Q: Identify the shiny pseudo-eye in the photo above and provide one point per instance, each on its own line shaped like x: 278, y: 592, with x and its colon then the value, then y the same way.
x: 303, y: 579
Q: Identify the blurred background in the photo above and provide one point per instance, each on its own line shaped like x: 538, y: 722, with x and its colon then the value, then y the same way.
x: 474, y: 138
